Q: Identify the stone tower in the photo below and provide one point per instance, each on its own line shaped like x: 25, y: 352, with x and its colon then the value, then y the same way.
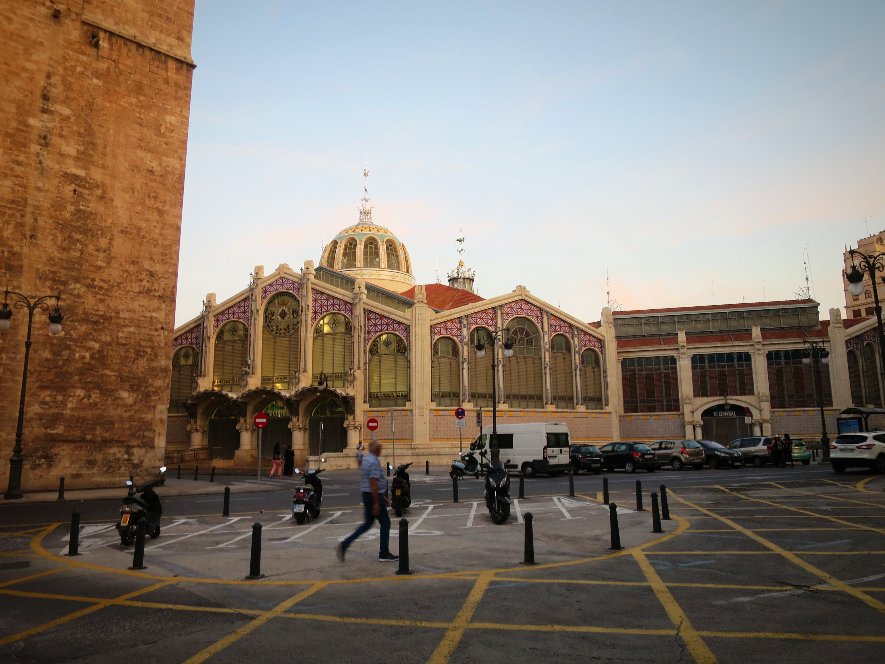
x: 93, y: 133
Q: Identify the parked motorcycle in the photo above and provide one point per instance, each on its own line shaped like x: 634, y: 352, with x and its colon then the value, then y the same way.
x: 468, y: 464
x: 307, y: 499
x: 497, y: 493
x: 141, y: 503
x: 401, y: 489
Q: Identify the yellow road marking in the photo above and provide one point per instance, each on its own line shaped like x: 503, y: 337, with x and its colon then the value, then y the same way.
x: 862, y: 485
x: 829, y: 496
x: 684, y: 628
x: 260, y: 620
x: 25, y: 579
x: 453, y: 635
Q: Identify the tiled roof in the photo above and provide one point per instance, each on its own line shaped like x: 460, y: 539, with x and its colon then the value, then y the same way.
x: 443, y: 298
x: 714, y: 307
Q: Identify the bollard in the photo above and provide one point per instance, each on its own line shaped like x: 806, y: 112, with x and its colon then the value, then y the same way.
x: 403, y: 547
x: 61, y: 488
x: 529, y: 554
x: 226, y: 511
x: 454, y: 488
x: 427, y: 467
x: 138, y: 556
x: 196, y: 472
x: 639, y: 496
x: 605, y: 491
x: 655, y: 516
x: 179, y: 471
x: 74, y: 538
x: 522, y: 485
x: 665, y: 510
x: 212, y: 475
x: 255, y: 558
x: 571, y: 483
x: 613, y: 522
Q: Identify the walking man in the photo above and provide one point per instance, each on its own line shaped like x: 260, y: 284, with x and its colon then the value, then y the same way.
x: 373, y: 484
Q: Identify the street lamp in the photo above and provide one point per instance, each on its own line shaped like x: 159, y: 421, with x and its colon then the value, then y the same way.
x: 480, y: 353
x: 815, y: 355
x: 31, y: 304
x: 872, y: 264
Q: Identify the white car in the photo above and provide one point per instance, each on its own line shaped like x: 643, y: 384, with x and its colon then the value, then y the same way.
x: 858, y: 449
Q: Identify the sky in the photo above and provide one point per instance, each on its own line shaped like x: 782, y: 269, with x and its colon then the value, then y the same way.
x: 627, y: 154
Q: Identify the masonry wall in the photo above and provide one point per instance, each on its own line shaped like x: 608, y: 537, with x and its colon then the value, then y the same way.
x: 93, y: 133
x: 650, y: 427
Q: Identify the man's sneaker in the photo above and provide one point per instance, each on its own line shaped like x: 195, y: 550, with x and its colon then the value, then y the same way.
x: 339, y: 552
x: 387, y: 557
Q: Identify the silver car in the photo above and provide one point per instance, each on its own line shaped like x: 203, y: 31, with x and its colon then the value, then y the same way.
x: 678, y: 453
x: 755, y: 449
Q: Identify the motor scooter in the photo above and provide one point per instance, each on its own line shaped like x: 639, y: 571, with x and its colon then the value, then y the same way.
x: 141, y: 503
x: 401, y: 489
x: 497, y: 492
x: 307, y: 499
x: 468, y: 464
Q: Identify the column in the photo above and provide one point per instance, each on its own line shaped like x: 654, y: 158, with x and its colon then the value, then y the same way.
x: 196, y: 432
x: 760, y: 383
x: 300, y: 445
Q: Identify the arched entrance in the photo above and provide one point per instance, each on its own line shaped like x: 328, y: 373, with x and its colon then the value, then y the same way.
x: 326, y: 427
x: 277, y: 431
x: 724, y: 422
x: 224, y: 439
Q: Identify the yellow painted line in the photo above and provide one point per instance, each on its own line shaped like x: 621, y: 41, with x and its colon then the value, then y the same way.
x: 575, y: 629
x: 862, y: 485
x: 260, y: 620
x: 25, y: 579
x: 15, y: 554
x: 380, y: 622
x: 453, y: 635
x: 794, y: 636
x: 829, y: 496
x: 693, y: 641
x: 796, y: 560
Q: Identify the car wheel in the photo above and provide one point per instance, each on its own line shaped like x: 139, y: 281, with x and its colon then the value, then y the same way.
x: 677, y: 464
x: 838, y: 467
x: 630, y: 467
x: 758, y: 461
x: 880, y: 464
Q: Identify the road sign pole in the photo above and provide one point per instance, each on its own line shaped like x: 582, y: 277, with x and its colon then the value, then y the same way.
x: 259, y: 454
x: 393, y: 433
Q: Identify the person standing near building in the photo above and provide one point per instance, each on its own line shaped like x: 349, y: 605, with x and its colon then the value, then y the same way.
x: 276, y: 465
x: 788, y: 449
x: 288, y: 461
x: 373, y: 485
x: 777, y: 451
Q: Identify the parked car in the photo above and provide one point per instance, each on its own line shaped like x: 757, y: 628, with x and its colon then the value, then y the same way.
x: 586, y: 457
x: 629, y: 456
x: 717, y: 455
x: 858, y: 449
x: 678, y: 453
x: 801, y: 452
x: 755, y: 449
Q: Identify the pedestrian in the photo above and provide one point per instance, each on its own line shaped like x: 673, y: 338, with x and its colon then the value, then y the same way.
x: 360, y: 453
x: 776, y: 451
x: 276, y: 464
x: 788, y: 450
x: 373, y: 485
x: 288, y: 461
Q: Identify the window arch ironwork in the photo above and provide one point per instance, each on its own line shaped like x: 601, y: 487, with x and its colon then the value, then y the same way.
x: 281, y: 342
x: 651, y: 384
x: 445, y: 373
x: 524, y: 371
x: 348, y: 254
x: 855, y: 379
x: 479, y: 370
x: 185, y: 364
x: 231, y: 357
x: 388, y: 371
x: 872, y: 388
x: 562, y: 374
x: 371, y: 253
x: 333, y: 349
x: 392, y: 255
x: 591, y: 379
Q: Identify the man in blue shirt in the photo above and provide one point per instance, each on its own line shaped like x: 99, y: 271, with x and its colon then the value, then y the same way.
x: 373, y: 484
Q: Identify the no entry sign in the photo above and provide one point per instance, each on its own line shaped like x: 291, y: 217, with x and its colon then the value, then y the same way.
x: 459, y: 413
x: 372, y: 424
x: 260, y: 419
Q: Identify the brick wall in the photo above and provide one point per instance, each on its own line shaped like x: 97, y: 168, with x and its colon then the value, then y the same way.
x: 644, y: 428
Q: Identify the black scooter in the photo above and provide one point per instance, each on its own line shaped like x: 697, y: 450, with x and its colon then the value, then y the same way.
x: 468, y: 464
x: 141, y: 503
x: 497, y: 492
x: 307, y: 499
x: 401, y: 489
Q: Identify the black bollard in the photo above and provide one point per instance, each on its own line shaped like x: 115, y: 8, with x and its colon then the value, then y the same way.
x: 605, y: 491
x: 138, y: 556
x: 454, y: 488
x: 403, y: 547
x: 61, y: 488
x: 613, y: 522
x: 655, y: 517
x: 529, y: 554
x: 427, y: 467
x: 196, y: 472
x: 665, y: 510
x: 639, y: 496
x: 179, y: 471
x: 522, y: 485
x: 255, y: 558
x: 212, y: 475
x: 226, y: 511
x: 571, y: 483
x: 74, y: 537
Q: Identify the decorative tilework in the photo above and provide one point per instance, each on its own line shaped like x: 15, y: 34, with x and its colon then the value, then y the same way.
x: 559, y: 326
x: 282, y: 284
x: 521, y: 308
x: 378, y: 323
x: 484, y: 318
x: 451, y: 328
x: 241, y: 311
x: 587, y: 340
x: 323, y: 304
x: 192, y: 337
x: 857, y: 343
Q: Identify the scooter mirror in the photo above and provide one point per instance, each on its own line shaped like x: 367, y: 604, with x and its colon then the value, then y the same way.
x: 297, y: 472
x: 162, y: 469
x: 128, y: 482
x: 323, y: 459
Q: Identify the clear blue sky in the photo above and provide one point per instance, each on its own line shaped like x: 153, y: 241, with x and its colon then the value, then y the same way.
x: 693, y: 151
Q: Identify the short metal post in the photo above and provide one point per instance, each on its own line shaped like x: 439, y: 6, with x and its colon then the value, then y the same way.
x: 529, y: 553
x: 427, y: 467
x: 61, y: 488
x: 131, y: 485
x: 605, y: 491
x: 522, y: 485
x: 655, y: 516
x: 639, y: 496
x: 226, y: 511
x: 613, y: 522
x: 138, y: 556
x: 179, y: 471
x: 255, y: 558
x: 212, y: 475
x: 454, y: 488
x: 403, y: 547
x: 665, y: 509
x: 571, y: 483
x: 196, y: 471
x: 74, y: 537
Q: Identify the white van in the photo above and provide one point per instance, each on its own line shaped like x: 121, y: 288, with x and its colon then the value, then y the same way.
x: 536, y: 447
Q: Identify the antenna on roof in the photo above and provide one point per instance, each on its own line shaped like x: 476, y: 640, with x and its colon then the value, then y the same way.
x: 804, y: 293
x: 365, y: 208
x: 610, y: 303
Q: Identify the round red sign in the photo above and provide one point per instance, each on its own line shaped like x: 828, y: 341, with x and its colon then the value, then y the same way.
x: 459, y: 413
x: 261, y: 420
x: 372, y: 424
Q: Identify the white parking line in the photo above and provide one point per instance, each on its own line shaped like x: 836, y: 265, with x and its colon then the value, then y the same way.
x: 472, y: 514
x: 313, y: 527
x: 231, y: 520
x: 413, y: 528
x: 518, y: 510
x: 562, y: 509
x: 283, y: 518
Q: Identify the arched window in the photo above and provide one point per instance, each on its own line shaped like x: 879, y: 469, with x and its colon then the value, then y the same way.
x: 562, y: 375
x: 479, y: 370
x: 348, y: 256
x: 371, y: 253
x: 407, y: 264
x: 332, y: 349
x: 524, y: 372
x: 231, y: 357
x: 281, y: 342
x: 184, y: 373
x: 591, y: 379
x: 855, y: 379
x: 388, y: 371
x: 330, y: 254
x: 392, y: 255
x: 871, y: 376
x: 445, y: 373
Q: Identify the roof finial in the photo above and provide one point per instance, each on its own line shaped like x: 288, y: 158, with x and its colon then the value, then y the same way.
x: 365, y: 209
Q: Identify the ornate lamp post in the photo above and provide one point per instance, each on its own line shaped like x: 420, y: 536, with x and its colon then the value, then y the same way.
x: 872, y: 264
x: 31, y: 304
x: 481, y: 352
x: 816, y: 356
